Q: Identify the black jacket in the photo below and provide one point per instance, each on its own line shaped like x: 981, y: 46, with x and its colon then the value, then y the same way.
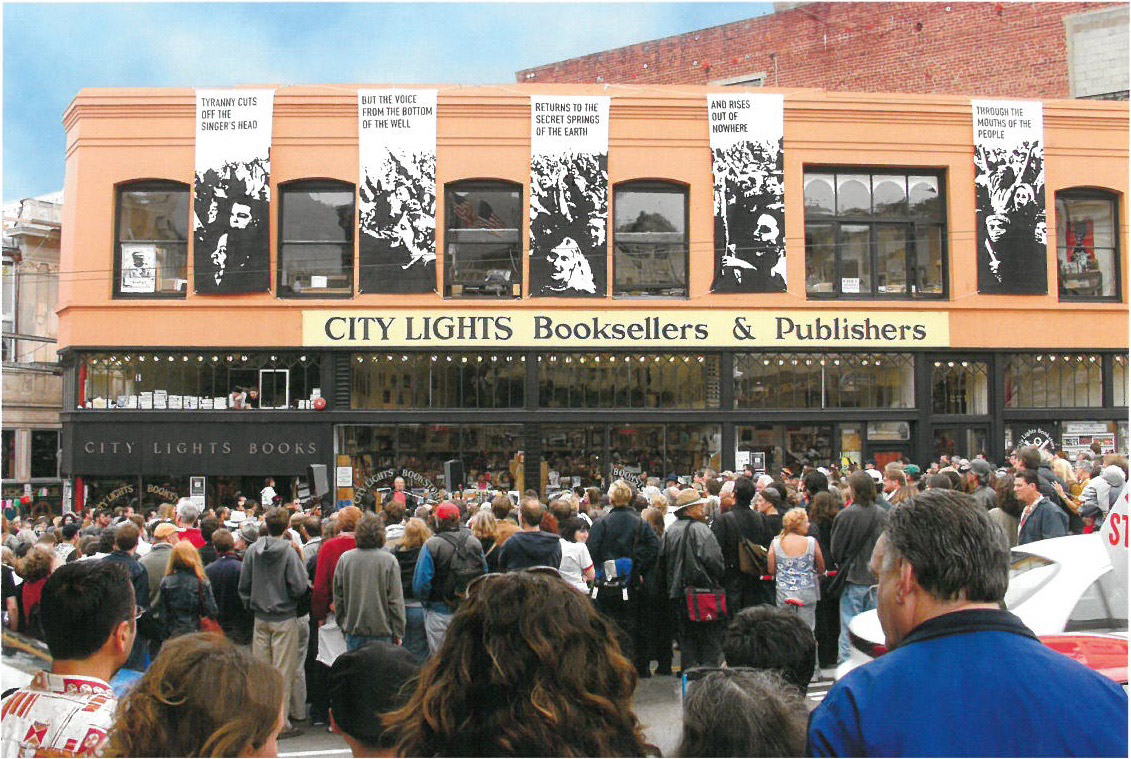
x: 530, y: 549
x: 235, y: 618
x: 139, y: 576
x: 613, y: 535
x: 742, y: 522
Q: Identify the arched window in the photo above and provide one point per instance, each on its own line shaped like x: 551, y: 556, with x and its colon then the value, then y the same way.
x: 1087, y: 244
x: 317, y: 223
x: 650, y: 242
x: 151, y: 241
x: 483, y: 239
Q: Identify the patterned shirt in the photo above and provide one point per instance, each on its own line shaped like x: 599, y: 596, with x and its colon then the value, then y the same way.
x: 57, y: 716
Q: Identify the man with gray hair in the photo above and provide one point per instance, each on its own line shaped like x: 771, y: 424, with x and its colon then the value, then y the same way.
x: 187, y: 515
x: 958, y: 659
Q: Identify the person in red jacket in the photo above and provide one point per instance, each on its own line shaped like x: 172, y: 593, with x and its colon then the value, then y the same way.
x: 328, y: 556
x: 187, y: 515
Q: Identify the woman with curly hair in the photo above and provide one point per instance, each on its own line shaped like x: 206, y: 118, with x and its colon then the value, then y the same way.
x: 201, y: 697
x: 527, y: 668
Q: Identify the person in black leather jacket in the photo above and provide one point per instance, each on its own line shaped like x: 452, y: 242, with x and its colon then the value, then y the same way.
x: 186, y: 594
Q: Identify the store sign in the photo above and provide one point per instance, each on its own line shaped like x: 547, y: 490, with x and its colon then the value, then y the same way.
x: 107, y: 448
x: 502, y: 328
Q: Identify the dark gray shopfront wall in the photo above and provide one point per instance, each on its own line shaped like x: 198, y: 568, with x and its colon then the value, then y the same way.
x: 209, y: 448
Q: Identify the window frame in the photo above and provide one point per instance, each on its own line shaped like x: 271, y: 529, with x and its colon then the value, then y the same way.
x: 911, y: 224
x: 1089, y: 193
x: 148, y: 185
x: 320, y: 184
x: 654, y: 185
x: 484, y: 183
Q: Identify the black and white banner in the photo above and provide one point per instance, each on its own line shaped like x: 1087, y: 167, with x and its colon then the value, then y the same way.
x: 231, y: 252
x: 1009, y: 159
x: 748, y: 163
x: 569, y: 195
x: 397, y: 149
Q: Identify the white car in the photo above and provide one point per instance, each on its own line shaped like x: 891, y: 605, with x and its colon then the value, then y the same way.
x: 1059, y: 585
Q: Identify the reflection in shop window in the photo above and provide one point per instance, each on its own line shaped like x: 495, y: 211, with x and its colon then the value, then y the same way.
x: 824, y: 380
x: 194, y: 381
x: 960, y: 387
x: 1047, y: 380
x: 316, y: 250
x: 650, y: 247
x: 483, y: 240
x: 609, y: 380
x: 44, y: 453
x: 9, y: 460
x: 437, y: 380
x: 1119, y: 381
x: 151, y: 251
x: 788, y: 445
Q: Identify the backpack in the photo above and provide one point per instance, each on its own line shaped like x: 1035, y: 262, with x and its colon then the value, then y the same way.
x: 752, y: 558
x: 465, y: 565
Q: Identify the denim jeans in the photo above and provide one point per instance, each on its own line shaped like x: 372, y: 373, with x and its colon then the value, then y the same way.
x: 854, y: 599
x: 354, y: 642
x: 415, y: 639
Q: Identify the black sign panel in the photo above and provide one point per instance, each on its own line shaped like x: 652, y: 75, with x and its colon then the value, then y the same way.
x: 209, y: 448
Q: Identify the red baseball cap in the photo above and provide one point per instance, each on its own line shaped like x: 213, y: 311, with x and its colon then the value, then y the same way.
x: 447, y: 510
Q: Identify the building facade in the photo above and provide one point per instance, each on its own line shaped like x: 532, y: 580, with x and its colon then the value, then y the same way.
x: 32, y: 376
x: 880, y: 346
x: 1015, y: 50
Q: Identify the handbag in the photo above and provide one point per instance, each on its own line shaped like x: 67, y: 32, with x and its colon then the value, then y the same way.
x: 207, y: 623
x: 752, y: 558
x: 702, y: 604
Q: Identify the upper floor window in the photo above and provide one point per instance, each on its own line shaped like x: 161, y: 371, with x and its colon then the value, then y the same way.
x: 1047, y: 380
x: 650, y: 245
x: 152, y: 240
x: 874, y: 234
x: 824, y: 380
x: 483, y: 239
x: 1086, y: 248
x: 8, y: 304
x: 316, y: 244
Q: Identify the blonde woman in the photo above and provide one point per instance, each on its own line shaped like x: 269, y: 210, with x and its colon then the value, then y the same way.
x: 185, y: 595
x: 796, y: 562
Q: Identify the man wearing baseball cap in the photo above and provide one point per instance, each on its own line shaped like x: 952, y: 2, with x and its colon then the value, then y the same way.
x: 448, y: 561
x: 878, y: 478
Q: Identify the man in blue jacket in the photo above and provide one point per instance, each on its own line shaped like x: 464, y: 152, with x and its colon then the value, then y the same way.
x: 964, y: 677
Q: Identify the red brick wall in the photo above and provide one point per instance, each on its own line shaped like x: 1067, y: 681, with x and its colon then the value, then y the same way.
x: 1006, y: 49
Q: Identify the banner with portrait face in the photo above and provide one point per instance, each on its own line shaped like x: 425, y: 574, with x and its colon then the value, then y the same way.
x: 569, y: 196
x: 1009, y: 183
x: 231, y: 208
x: 397, y: 150
x: 748, y: 163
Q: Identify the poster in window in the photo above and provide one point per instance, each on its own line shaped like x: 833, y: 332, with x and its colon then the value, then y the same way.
x: 1009, y: 183
x: 569, y: 195
x: 139, y: 267
x: 1080, y: 242
x: 397, y: 150
x: 748, y: 164
x: 231, y: 252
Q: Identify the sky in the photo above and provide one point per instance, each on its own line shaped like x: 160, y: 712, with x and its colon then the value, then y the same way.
x: 52, y: 50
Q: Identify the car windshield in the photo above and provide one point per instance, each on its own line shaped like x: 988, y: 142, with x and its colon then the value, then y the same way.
x: 1027, y: 574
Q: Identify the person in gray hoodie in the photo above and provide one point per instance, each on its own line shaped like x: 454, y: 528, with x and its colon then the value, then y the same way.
x: 272, y: 580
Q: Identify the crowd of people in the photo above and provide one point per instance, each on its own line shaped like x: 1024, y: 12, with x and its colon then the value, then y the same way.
x: 522, y: 629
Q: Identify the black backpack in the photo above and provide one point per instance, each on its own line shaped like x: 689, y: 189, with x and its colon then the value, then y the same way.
x: 465, y: 565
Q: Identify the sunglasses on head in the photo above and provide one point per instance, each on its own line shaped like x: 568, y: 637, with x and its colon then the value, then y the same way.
x: 476, y: 584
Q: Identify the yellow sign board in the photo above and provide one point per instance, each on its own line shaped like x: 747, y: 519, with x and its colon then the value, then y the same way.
x: 691, y: 329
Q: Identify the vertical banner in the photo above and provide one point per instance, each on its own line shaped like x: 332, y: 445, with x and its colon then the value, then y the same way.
x: 231, y: 252
x: 748, y: 163
x: 569, y: 195
x: 1009, y: 159
x: 397, y: 150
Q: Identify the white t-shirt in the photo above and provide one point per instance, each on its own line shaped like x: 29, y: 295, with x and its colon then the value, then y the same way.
x: 266, y: 496
x: 575, y: 560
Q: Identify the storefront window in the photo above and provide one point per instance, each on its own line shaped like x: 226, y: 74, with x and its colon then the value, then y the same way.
x: 111, y: 492
x: 1119, y: 380
x: 792, y: 445
x: 967, y: 442
x: 44, y: 453
x: 574, y: 453
x: 606, y: 380
x: 1053, y: 380
x: 483, y: 240
x: 152, y: 243
x: 201, y: 381
x: 650, y: 244
x: 1079, y: 436
x: 960, y: 387
x: 438, y: 380
x: 417, y: 452
x: 1086, y: 245
x: 824, y: 380
x: 874, y: 235
x: 316, y: 250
